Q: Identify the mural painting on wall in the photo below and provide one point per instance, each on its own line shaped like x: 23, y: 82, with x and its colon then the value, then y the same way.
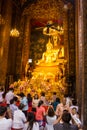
x: 38, y: 40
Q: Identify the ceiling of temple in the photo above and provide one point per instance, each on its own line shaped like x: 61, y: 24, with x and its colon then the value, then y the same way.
x: 22, y: 4
x: 42, y: 11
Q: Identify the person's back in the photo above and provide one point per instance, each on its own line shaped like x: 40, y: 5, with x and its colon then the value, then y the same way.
x: 9, y: 95
x: 19, y: 118
x: 66, y: 117
x: 5, y: 124
x: 65, y: 126
x: 31, y: 122
x: 1, y: 93
x: 55, y: 103
x: 50, y: 119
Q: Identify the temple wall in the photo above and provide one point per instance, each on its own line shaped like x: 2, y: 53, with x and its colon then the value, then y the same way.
x: 71, y: 50
x: 81, y: 59
x: 84, y: 78
x: 26, y: 44
x: 5, y: 40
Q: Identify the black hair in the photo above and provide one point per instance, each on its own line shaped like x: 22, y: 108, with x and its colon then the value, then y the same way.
x: 15, y: 99
x: 1, y: 88
x: 43, y: 94
x: 29, y: 97
x: 40, y: 103
x: 51, y: 112
x: 21, y: 106
x: 54, y: 93
x: 2, y: 110
x: 31, y: 120
x: 3, y: 95
x: 11, y: 89
x: 22, y: 94
x: 12, y: 101
x: 58, y: 99
x: 65, y: 111
x: 74, y: 102
x: 36, y: 97
x: 66, y: 117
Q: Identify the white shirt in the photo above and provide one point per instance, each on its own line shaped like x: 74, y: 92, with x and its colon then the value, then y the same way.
x: 13, y: 108
x: 1, y: 98
x: 76, y: 119
x: 35, y: 102
x: 5, y: 124
x: 19, y: 119
x: 50, y: 121
x: 35, y: 126
x: 73, y: 106
x: 9, y: 96
x: 24, y: 101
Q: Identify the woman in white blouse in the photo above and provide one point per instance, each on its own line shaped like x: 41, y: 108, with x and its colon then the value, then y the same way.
x: 31, y: 122
x: 50, y: 119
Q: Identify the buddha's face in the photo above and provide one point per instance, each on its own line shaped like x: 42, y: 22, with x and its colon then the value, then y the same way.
x: 55, y: 39
x: 49, y: 47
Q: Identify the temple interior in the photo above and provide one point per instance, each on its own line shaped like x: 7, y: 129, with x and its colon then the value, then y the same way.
x: 43, y: 47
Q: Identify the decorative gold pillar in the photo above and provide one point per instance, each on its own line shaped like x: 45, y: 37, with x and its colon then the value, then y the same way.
x: 81, y: 73
x: 79, y: 52
x: 81, y: 31
x: 26, y: 45
x: 5, y: 40
x: 66, y: 46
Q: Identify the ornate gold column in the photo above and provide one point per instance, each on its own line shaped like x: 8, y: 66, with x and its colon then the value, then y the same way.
x: 81, y: 60
x: 66, y: 46
x: 26, y: 45
x: 79, y: 54
x: 5, y: 40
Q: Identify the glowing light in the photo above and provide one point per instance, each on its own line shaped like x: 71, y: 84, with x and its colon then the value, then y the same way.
x: 14, y: 33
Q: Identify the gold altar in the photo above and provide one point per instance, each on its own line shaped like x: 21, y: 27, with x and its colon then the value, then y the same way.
x: 49, y: 72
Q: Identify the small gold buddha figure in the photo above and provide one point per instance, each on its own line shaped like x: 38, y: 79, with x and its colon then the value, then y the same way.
x: 58, y: 48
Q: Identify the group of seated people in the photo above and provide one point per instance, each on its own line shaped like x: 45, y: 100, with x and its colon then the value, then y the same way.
x: 20, y: 112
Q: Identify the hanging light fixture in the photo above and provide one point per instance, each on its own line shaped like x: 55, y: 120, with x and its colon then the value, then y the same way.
x: 14, y: 33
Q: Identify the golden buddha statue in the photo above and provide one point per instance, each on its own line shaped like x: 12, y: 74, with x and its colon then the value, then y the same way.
x: 49, y: 57
x: 54, y: 54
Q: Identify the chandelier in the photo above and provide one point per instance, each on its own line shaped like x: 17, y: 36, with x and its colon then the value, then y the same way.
x: 14, y: 33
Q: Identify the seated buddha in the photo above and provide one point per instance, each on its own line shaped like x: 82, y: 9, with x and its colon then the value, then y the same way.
x: 49, y: 57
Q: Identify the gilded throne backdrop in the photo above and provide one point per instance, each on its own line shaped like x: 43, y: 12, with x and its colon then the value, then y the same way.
x: 38, y: 40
